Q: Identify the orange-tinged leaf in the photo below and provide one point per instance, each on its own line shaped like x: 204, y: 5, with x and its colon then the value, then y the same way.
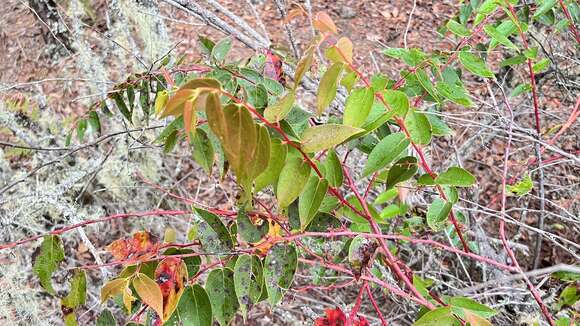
x: 323, y: 23
x: 304, y: 64
x: 140, y: 247
x: 189, y: 118
x: 113, y: 287
x: 268, y: 241
x: 176, y: 103
x: 475, y: 320
x: 149, y: 292
x: 171, y: 275
x: 341, y: 51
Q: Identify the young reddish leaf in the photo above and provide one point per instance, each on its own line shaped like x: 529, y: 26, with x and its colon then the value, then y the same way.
x: 341, y: 51
x: 189, y: 118
x: 171, y: 275
x: 149, y: 292
x: 475, y: 320
x: 176, y: 102
x: 272, y: 66
x: 304, y: 65
x: 324, y: 24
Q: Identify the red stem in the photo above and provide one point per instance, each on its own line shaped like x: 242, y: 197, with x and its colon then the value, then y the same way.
x: 374, y: 303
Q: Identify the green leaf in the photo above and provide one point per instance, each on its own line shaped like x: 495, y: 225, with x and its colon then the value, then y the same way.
x: 248, y: 281
x: 213, y: 234
x: 438, y: 127
x: 390, y: 211
x: 349, y: 80
x: 426, y: 180
x: 118, y: 98
x: 280, y: 110
x: 439, y: 317
x: 357, y: 107
x: 94, y: 122
x: 310, y: 199
x: 541, y: 65
x: 418, y: 127
x: 457, y: 28
x: 194, y: 308
x: 221, y: 49
x: 396, y: 101
x: 48, y: 256
x: 81, y: 128
x: 544, y: 7
x: 222, y: 295
x: 328, y: 86
x: 106, y: 318
x: 203, y: 152
x: 456, y: 176
x: 292, y: 180
x: 566, y: 276
x: 402, y: 170
x: 385, y: 152
x: 278, y: 152
x: 437, y: 214
x: 247, y: 230
x: 520, y: 89
x: 455, y: 93
x: 333, y: 169
x: 279, y: 268
x: 144, y: 98
x: 349, y: 214
x: 512, y: 61
x: 425, y: 82
x: 78, y: 291
x: 386, y: 196
x: 475, y: 64
x: 522, y: 187
x: 499, y: 37
x: 470, y: 305
x: 325, y: 136
x: 170, y: 142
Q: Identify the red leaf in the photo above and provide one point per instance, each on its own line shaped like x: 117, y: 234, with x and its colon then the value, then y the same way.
x: 273, y: 66
x: 171, y: 275
x: 334, y: 317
